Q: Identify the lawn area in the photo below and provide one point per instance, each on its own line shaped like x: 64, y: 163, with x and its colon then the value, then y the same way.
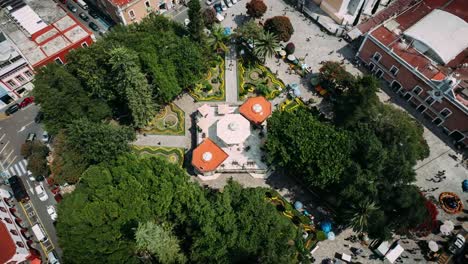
x: 256, y: 79
x: 169, y: 121
x: 173, y: 155
x: 290, y: 105
x: 212, y: 87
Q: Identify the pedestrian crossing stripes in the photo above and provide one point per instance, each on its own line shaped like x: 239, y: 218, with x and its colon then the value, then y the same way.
x: 19, y: 168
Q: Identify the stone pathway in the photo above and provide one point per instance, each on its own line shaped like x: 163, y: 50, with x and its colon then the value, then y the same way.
x: 231, y: 75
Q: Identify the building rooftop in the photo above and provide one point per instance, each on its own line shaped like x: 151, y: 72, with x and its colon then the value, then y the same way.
x: 7, y: 245
x: 233, y: 129
x: 208, y: 156
x: 120, y: 2
x: 28, y: 20
x: 256, y: 109
x: 432, y: 31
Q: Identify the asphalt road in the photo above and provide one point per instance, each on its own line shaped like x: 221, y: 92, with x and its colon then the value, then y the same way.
x: 13, y: 132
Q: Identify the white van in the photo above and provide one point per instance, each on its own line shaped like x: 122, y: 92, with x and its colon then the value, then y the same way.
x: 82, y: 4
x: 52, y: 258
x: 39, y: 233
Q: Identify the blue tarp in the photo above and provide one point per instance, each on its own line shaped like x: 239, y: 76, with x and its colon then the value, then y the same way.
x: 227, y: 31
x: 326, y: 226
x: 465, y: 185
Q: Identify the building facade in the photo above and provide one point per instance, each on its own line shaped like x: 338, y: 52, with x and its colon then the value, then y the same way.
x: 13, y: 245
x: 346, y: 11
x: 133, y: 11
x: 423, y: 55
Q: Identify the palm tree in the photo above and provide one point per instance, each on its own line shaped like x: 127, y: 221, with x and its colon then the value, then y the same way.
x: 359, y: 215
x: 265, y: 45
x: 217, y: 39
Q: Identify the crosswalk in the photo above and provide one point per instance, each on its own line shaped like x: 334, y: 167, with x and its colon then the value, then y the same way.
x: 19, y: 168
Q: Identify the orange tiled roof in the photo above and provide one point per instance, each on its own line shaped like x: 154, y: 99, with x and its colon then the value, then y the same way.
x: 256, y: 109
x: 208, y: 156
x: 7, y: 245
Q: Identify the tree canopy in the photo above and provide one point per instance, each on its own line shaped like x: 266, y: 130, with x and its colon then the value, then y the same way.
x: 280, y: 26
x: 195, y: 25
x: 103, y: 219
x: 256, y: 8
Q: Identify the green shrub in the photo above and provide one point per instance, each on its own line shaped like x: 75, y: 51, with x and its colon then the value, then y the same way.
x: 262, y: 89
x: 214, y: 80
x: 321, y: 236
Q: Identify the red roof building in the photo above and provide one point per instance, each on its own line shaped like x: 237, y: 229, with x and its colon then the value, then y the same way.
x: 13, y: 246
x: 208, y: 156
x: 256, y: 109
x: 423, y: 54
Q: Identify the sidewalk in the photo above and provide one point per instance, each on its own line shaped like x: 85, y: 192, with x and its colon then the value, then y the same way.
x: 231, y: 75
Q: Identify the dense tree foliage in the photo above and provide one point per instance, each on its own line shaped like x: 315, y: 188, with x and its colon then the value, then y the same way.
x: 209, y: 17
x: 314, y: 151
x: 250, y: 30
x: 36, y: 152
x: 256, y: 8
x: 195, y: 26
x: 98, y: 222
x: 265, y: 45
x: 280, y: 26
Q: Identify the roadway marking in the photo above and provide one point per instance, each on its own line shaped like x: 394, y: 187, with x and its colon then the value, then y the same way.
x: 44, y: 250
x: 2, y: 137
x: 8, y: 142
x: 24, y: 127
x: 12, y: 161
x: 11, y: 152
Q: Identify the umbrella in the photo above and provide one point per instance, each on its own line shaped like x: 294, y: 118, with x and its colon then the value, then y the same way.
x: 450, y: 225
x: 298, y: 205
x: 278, y: 49
x: 445, y: 230
x: 291, y: 57
x: 433, y: 246
x: 282, y: 52
x: 331, y: 236
x: 326, y: 226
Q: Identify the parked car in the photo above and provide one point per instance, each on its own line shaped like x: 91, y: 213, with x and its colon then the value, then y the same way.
x: 19, y: 191
x: 26, y: 101
x: 72, y: 8
x: 45, y: 137
x: 228, y: 3
x: 52, y: 257
x: 39, y: 117
x: 31, y: 137
x: 93, y: 13
x: 93, y: 26
x: 84, y: 16
x: 12, y: 109
x: 457, y: 244
x: 223, y: 6
x: 234, y: 2
x: 52, y: 212
x: 218, y: 8
x: 209, y: 2
x: 41, y: 193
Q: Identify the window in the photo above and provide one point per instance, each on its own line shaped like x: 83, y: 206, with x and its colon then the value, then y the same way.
x: 437, y: 121
x: 379, y: 73
x: 12, y: 83
x: 3, y: 209
x: 417, y: 90
x: 371, y: 66
x: 28, y: 74
x: 84, y: 44
x: 20, y: 78
x: 58, y: 61
x: 14, y: 232
x: 131, y: 14
x: 396, y: 86
x: 429, y: 100
x: 394, y: 70
x: 445, y: 112
x: 19, y: 244
x: 377, y: 56
x: 8, y: 220
x: 147, y: 3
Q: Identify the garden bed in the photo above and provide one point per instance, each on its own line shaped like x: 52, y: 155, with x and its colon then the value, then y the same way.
x: 172, y: 155
x: 254, y: 78
x: 169, y: 121
x: 291, y: 105
x: 212, y: 87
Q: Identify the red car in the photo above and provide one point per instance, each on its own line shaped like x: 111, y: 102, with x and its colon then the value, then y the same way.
x: 26, y: 101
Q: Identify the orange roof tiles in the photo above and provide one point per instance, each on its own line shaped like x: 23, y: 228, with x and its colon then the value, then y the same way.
x: 7, y: 245
x: 256, y: 109
x: 208, y: 156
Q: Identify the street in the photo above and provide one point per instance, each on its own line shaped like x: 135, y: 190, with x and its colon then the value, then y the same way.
x: 13, y: 132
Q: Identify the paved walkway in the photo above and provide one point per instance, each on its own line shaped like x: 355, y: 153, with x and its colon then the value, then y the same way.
x: 231, y: 75
x: 162, y: 140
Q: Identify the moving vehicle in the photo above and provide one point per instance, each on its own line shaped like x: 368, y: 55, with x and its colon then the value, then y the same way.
x: 82, y: 4
x: 45, y: 137
x: 93, y: 13
x: 31, y: 137
x: 84, y: 16
x: 72, y: 8
x: 52, y: 212
x: 228, y: 3
x: 19, y: 191
x: 93, y: 26
x: 26, y: 101
x: 12, y: 109
x: 41, y: 193
x: 457, y: 244
x: 52, y: 258
x: 39, y: 232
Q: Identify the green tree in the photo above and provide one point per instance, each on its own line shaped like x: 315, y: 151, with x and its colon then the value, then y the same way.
x: 307, y: 148
x: 265, y: 45
x: 217, y: 39
x: 98, y: 142
x: 280, y: 26
x: 250, y: 31
x: 195, y: 26
x: 256, y: 8
x: 62, y: 99
x: 132, y: 85
x: 360, y: 213
x: 209, y: 17
x: 334, y: 77
x: 158, y: 240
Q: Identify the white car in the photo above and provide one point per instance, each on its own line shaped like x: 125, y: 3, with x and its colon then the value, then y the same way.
x: 223, y: 6
x: 52, y: 212
x: 45, y: 137
x: 209, y: 2
x: 41, y: 193
x: 234, y: 2
x: 228, y: 3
